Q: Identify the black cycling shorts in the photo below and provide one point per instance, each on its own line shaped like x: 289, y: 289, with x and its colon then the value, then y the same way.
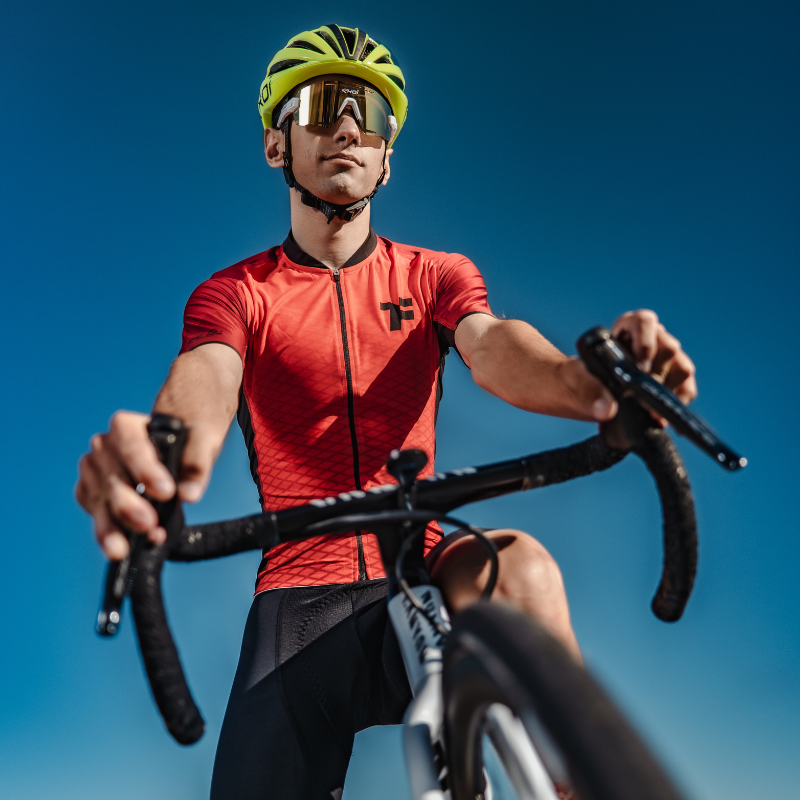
x: 318, y: 665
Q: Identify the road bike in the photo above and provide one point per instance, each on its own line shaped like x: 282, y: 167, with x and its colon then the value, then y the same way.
x: 491, y: 672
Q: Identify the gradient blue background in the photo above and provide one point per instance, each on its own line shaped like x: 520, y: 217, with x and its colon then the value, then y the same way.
x: 590, y: 158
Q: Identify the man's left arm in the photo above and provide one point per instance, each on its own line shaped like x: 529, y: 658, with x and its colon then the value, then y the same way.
x: 512, y: 360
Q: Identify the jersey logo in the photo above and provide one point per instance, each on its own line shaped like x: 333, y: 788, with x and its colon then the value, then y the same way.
x: 396, y: 314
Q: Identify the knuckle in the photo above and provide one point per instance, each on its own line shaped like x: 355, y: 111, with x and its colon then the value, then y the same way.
x: 670, y: 347
x: 685, y: 365
x: 122, y: 422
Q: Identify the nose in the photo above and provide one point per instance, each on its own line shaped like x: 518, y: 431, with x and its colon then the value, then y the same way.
x: 347, y: 130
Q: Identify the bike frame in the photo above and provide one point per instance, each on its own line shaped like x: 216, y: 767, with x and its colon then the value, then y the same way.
x: 421, y: 643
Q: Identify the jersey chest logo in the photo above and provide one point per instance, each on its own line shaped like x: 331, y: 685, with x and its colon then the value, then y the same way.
x: 397, y: 312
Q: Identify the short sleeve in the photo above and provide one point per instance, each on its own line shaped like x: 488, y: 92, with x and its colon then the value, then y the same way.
x: 460, y: 291
x: 217, y: 311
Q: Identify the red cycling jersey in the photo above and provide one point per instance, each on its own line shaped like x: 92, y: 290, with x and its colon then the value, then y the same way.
x: 340, y: 367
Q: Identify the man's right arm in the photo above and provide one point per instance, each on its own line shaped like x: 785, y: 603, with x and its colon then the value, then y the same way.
x: 203, y: 390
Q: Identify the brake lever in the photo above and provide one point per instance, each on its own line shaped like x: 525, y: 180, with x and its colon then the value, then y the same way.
x: 610, y: 362
x: 168, y: 435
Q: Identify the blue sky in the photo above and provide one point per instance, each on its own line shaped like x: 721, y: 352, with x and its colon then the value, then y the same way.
x: 590, y: 158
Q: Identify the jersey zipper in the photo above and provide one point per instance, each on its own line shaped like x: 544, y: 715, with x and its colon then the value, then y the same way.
x: 362, y: 566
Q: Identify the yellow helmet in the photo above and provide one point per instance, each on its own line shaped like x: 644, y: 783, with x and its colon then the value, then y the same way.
x: 332, y: 49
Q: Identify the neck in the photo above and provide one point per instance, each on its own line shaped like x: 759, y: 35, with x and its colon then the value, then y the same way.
x: 333, y: 244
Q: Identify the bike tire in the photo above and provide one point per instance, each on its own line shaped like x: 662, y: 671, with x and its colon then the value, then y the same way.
x: 495, y: 655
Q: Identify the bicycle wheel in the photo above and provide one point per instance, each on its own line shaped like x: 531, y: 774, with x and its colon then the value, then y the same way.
x: 496, y: 657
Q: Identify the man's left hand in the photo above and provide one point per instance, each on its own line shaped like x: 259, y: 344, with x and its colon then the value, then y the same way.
x: 657, y: 351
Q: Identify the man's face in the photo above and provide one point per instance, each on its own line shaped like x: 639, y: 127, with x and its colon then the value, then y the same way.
x: 340, y: 164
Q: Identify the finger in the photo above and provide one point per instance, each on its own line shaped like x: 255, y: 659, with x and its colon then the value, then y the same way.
x: 129, y: 507
x: 89, y: 494
x: 639, y: 330
x: 131, y: 443
x: 103, y: 490
x: 112, y: 540
x: 87, y: 490
x: 96, y: 469
x: 115, y: 492
x: 667, y: 350
x: 681, y: 377
x: 114, y: 496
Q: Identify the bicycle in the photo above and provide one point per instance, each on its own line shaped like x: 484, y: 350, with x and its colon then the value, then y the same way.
x: 492, y: 671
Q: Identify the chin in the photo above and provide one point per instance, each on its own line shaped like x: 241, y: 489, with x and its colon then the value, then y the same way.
x: 339, y: 190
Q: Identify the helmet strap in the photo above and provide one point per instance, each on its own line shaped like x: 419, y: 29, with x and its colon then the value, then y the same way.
x: 344, y: 211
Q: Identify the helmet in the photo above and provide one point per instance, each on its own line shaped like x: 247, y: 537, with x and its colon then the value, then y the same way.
x: 332, y: 49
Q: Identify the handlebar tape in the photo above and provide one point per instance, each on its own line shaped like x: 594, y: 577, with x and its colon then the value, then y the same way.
x: 656, y: 448
x: 577, y: 460
x: 159, y: 654
x: 218, y: 539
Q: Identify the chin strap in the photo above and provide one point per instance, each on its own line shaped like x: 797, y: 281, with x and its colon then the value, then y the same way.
x: 345, y: 212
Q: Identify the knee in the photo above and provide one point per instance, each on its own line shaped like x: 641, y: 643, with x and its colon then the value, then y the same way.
x: 528, y: 576
x: 527, y: 572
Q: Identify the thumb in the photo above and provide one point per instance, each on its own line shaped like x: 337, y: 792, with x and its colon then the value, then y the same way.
x: 198, y: 461
x: 604, y: 407
x: 596, y: 401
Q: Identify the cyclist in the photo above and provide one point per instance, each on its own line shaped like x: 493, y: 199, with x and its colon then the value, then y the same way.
x: 330, y: 349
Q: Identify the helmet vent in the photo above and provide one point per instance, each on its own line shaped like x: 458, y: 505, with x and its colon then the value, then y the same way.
x: 361, y: 43
x: 349, y: 37
x: 383, y: 60
x: 303, y: 45
x: 329, y: 40
x: 282, y: 65
x: 338, y: 33
x: 368, y: 48
x: 398, y: 81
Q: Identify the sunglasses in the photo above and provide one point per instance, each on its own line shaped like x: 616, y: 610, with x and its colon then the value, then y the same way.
x: 322, y: 101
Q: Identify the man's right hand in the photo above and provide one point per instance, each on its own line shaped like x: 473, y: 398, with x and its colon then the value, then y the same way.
x: 122, y: 465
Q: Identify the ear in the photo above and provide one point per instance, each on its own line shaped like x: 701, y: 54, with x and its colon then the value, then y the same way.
x: 273, y: 147
x: 387, y: 167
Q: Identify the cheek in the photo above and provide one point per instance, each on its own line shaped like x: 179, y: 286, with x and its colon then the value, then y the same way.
x: 374, y: 159
x: 304, y: 160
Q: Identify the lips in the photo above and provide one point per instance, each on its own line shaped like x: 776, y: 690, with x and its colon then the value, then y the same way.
x: 343, y: 157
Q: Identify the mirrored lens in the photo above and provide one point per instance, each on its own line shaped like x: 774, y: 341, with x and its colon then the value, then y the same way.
x: 323, y: 101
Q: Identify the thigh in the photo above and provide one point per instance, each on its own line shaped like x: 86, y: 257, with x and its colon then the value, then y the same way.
x: 259, y: 750
x: 318, y: 664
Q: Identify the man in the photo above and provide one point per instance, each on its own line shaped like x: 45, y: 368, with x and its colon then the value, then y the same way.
x: 329, y: 349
